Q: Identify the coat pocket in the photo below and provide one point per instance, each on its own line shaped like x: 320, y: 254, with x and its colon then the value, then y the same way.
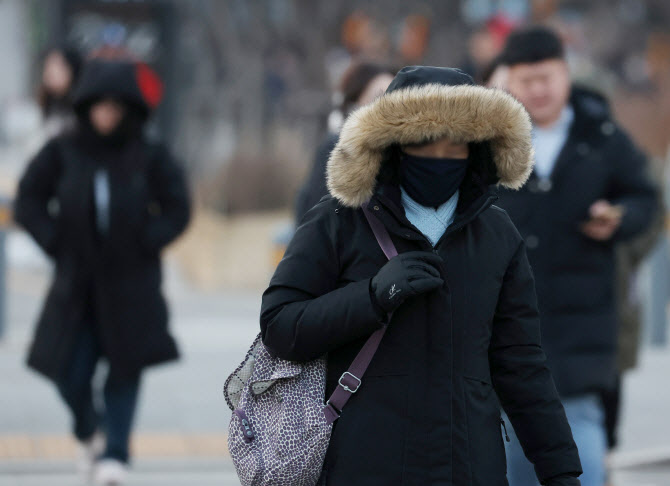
x: 485, y: 442
x: 368, y: 441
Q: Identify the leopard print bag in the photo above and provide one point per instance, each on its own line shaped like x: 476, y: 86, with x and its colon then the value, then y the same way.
x: 280, y: 427
x: 278, y: 434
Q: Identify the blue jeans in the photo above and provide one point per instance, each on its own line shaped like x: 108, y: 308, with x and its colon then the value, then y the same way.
x: 587, y: 420
x: 119, y: 394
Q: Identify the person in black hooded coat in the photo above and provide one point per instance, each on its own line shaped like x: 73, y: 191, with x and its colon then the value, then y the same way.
x: 102, y: 202
x: 465, y: 333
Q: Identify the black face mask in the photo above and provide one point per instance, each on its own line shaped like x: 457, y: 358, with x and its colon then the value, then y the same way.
x: 431, y: 181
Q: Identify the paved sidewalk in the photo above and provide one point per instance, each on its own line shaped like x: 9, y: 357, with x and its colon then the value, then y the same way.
x: 145, y: 473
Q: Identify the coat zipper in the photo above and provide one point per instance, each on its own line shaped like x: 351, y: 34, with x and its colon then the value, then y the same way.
x: 502, y: 422
x: 457, y: 226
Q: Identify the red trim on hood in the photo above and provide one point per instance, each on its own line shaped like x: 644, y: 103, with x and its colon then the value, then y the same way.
x: 150, y: 85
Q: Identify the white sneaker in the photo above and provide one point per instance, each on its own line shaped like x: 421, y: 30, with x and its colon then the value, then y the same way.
x: 89, y: 452
x: 110, y: 472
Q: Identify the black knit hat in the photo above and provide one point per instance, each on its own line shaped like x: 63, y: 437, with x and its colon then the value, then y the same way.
x: 415, y: 76
x: 531, y: 45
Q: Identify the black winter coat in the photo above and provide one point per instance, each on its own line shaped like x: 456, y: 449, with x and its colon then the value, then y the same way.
x: 428, y: 411
x: 120, y: 272
x: 575, y: 276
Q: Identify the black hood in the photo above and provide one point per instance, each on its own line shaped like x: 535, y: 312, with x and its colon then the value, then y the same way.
x: 414, y: 76
x: 110, y: 79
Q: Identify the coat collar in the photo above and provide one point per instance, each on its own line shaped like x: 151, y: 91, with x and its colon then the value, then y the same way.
x: 591, y: 124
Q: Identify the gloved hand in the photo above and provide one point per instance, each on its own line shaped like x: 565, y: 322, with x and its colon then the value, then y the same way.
x: 405, y: 276
x: 563, y: 481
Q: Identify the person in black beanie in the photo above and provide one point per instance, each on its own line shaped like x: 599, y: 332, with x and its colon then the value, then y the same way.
x: 102, y: 202
x: 588, y: 192
x: 464, y: 334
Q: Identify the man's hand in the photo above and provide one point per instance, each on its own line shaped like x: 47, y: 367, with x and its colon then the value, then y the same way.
x: 605, y: 220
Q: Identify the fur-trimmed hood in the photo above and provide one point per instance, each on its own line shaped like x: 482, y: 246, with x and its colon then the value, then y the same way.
x: 421, y: 112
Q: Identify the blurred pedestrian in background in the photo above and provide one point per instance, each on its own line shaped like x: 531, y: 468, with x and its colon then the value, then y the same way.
x: 102, y: 202
x: 360, y: 84
x: 464, y: 328
x: 588, y: 191
x: 495, y: 74
x: 485, y: 44
x: 60, y: 71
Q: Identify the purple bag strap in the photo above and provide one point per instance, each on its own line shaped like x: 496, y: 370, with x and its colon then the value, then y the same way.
x: 350, y: 380
x: 381, y: 233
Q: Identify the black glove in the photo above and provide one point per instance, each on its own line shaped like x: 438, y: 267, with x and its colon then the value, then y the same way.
x: 405, y: 276
x: 564, y: 480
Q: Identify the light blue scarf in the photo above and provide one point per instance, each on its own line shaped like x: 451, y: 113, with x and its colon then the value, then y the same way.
x: 430, y: 221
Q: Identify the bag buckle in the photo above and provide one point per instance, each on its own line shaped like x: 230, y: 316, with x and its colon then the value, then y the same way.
x: 345, y: 386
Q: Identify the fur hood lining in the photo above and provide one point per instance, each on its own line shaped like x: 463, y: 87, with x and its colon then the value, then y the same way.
x: 414, y: 115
